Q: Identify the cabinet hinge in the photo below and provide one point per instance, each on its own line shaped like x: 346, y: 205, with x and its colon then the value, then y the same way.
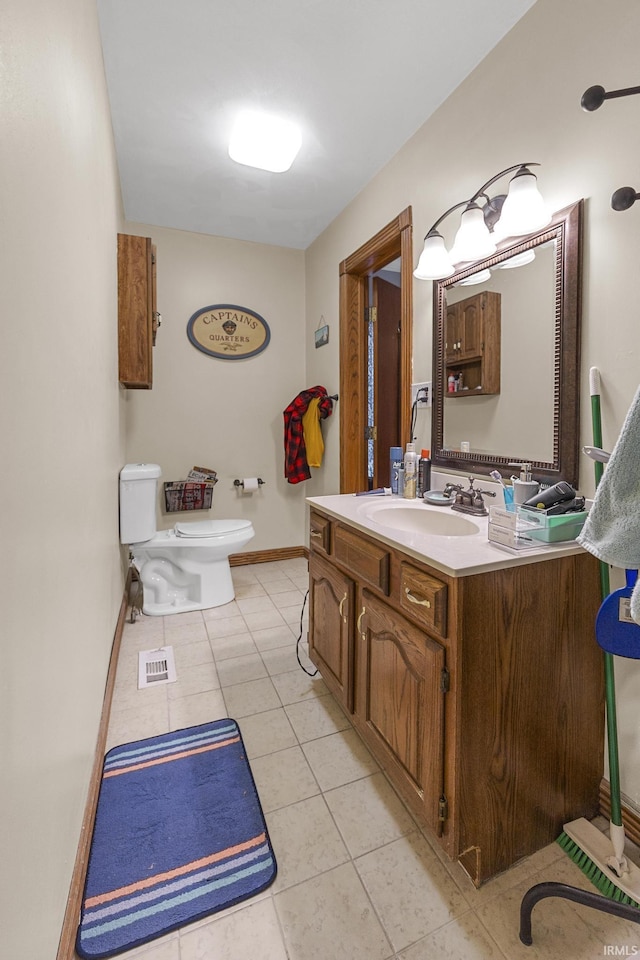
x: 443, y: 809
x: 371, y: 433
x: 371, y: 314
x: 444, y: 680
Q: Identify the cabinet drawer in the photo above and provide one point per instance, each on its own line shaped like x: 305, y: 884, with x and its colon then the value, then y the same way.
x: 320, y: 533
x: 423, y: 598
x: 367, y: 560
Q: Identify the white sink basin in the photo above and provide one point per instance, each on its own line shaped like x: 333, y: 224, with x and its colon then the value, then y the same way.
x: 421, y: 519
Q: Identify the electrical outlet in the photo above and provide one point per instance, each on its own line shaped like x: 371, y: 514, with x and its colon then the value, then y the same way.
x: 425, y: 393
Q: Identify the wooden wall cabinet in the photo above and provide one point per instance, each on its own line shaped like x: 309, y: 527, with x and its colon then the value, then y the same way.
x: 137, y: 315
x: 480, y: 696
x: 472, y: 344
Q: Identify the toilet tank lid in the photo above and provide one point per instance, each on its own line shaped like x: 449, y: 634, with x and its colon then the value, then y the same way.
x: 140, y: 471
x: 210, y: 528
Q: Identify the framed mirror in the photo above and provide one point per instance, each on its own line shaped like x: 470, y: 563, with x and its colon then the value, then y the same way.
x: 506, y: 357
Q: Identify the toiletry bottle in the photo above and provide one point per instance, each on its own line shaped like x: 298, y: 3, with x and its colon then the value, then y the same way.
x: 395, y: 461
x: 451, y: 384
x: 410, y: 471
x: 525, y: 486
x: 401, y: 481
x: 424, y: 474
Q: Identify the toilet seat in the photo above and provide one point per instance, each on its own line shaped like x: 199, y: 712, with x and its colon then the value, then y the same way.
x: 210, y: 528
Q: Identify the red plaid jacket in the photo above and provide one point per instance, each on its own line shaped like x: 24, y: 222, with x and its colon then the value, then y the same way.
x: 296, y: 468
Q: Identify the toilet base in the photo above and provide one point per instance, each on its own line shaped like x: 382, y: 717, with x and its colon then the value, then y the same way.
x: 177, y: 606
x: 167, y: 590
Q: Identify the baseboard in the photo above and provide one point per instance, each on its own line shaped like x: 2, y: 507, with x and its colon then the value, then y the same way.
x: 630, y: 816
x: 264, y: 556
x: 66, y: 946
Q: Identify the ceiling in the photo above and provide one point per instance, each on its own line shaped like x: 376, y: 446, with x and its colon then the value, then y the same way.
x: 359, y: 76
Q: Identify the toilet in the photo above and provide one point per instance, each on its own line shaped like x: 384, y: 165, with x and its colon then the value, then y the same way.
x: 185, y: 568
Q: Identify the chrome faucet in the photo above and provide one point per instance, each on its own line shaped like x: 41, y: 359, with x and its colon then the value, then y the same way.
x: 469, y: 501
x: 450, y: 488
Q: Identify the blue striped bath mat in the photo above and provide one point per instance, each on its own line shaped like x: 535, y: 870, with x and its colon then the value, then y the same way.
x: 179, y: 834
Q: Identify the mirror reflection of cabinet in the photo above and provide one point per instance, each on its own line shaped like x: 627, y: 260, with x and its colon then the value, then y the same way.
x: 137, y: 315
x: 472, y: 345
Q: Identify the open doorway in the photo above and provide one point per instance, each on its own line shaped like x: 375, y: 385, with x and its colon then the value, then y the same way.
x: 375, y: 354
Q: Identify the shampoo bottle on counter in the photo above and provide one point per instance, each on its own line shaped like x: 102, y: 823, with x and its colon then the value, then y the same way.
x: 410, y: 472
x: 424, y: 474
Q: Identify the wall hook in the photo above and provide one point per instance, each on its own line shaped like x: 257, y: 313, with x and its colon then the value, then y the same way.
x: 592, y: 99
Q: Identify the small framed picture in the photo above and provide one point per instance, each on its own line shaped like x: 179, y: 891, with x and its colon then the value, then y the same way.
x: 322, y: 336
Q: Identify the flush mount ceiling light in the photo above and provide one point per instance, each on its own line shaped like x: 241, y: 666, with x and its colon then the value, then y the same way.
x: 515, y: 214
x: 264, y: 141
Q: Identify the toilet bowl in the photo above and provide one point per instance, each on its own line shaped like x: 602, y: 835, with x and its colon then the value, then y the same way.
x: 185, y: 568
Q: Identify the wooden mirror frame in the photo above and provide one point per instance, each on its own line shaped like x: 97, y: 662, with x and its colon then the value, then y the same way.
x: 566, y: 229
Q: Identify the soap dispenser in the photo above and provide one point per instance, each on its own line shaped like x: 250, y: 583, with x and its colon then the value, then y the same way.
x: 523, y: 487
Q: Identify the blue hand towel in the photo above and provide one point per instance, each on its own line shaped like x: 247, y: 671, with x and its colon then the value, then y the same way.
x: 612, y: 529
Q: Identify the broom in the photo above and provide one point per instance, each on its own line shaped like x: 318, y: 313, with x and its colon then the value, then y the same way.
x: 602, y: 859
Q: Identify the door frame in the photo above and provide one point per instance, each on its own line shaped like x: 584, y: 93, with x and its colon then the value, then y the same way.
x: 394, y: 240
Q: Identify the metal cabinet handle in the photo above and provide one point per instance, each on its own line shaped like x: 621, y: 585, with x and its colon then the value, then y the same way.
x: 362, y: 613
x: 342, y: 603
x: 315, y: 533
x: 412, y: 599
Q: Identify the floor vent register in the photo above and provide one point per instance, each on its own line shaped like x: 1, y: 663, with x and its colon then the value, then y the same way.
x: 156, y: 667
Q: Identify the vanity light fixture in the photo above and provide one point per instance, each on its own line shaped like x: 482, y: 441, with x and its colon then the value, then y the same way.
x: 521, y: 211
x: 264, y: 141
x: 592, y: 99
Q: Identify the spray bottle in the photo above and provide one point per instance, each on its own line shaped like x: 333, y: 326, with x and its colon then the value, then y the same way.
x: 424, y: 474
x: 410, y: 472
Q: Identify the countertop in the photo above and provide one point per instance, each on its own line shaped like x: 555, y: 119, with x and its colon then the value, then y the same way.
x: 457, y: 556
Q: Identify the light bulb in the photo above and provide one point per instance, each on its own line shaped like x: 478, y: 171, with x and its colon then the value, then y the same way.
x: 473, y: 240
x: 434, y: 262
x: 524, y: 209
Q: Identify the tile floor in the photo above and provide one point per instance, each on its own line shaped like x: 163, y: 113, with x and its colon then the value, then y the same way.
x: 357, y: 879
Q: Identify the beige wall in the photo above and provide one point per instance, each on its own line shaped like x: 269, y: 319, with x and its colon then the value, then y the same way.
x: 62, y: 414
x: 522, y: 103
x: 225, y: 414
x: 61, y: 430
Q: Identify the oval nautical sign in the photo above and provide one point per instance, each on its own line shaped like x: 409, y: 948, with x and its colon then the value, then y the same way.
x: 228, y: 332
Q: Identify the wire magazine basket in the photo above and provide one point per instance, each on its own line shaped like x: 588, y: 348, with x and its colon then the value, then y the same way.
x: 188, y: 495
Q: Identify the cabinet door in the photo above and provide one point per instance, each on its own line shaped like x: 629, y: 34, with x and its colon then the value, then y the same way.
x: 331, y: 596
x: 136, y: 306
x: 399, y: 702
x: 452, y: 334
x: 470, y: 324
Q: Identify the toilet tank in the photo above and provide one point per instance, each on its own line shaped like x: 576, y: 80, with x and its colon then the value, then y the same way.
x: 138, y: 496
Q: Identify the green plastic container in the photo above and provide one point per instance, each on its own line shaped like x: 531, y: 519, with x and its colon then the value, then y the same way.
x: 551, y: 529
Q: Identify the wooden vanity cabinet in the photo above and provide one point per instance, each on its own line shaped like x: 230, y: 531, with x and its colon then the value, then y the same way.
x: 472, y: 344
x: 137, y: 314
x: 399, y: 703
x: 331, y: 599
x: 482, y: 696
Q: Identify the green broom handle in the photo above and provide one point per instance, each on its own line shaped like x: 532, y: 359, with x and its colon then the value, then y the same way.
x: 609, y: 676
